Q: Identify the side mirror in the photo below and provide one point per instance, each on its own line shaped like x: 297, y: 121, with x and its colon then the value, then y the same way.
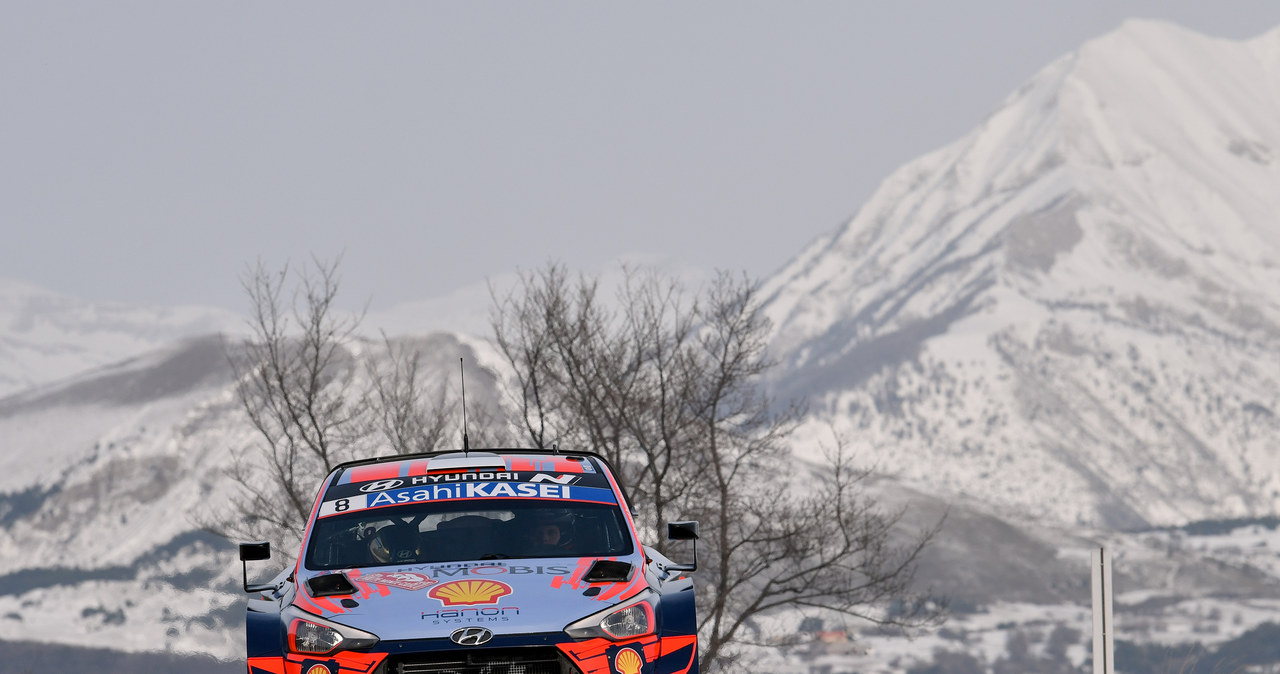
x: 253, y: 552
x: 684, y: 531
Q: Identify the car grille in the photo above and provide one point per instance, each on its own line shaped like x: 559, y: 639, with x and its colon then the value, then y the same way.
x: 532, y: 660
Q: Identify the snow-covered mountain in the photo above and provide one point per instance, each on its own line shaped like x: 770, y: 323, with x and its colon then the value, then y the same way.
x: 106, y: 482
x: 47, y: 336
x: 1060, y: 327
x: 1074, y: 311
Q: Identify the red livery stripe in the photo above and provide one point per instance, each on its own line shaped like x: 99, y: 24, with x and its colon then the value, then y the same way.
x: 541, y: 464
x: 377, y: 471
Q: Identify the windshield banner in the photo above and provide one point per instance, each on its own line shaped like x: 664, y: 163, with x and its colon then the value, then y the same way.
x: 466, y: 490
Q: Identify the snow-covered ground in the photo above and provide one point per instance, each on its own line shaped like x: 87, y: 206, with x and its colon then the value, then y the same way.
x: 1152, y: 606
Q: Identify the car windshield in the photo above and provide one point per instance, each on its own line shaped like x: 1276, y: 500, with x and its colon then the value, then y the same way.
x: 464, y: 530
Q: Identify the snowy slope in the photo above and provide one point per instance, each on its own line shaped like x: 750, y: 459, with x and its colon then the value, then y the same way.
x: 46, y: 336
x: 466, y: 310
x: 101, y: 478
x: 1073, y: 311
x: 106, y: 481
x: 103, y: 498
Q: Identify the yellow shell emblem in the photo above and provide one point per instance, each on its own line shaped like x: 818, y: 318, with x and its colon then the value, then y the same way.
x: 628, y: 662
x: 469, y: 592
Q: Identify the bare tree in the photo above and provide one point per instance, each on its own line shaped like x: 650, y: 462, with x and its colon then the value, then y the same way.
x: 668, y: 387
x: 410, y: 418
x: 414, y: 417
x: 618, y: 382
x: 671, y: 391
x: 292, y: 380
x: 316, y: 400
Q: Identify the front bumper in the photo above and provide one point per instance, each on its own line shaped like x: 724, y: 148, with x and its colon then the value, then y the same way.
x: 516, y: 654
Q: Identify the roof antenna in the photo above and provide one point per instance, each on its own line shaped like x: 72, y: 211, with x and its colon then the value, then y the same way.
x: 466, y: 444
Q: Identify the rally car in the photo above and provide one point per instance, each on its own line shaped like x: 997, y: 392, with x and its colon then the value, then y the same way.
x: 474, y: 562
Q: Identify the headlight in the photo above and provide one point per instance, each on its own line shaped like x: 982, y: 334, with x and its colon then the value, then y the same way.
x: 628, y: 620
x: 312, y: 635
x: 308, y: 637
x: 631, y: 621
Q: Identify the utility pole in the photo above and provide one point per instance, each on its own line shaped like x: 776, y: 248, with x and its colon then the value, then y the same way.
x: 1103, y: 644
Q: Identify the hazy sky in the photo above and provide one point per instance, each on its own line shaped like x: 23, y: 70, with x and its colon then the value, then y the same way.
x: 149, y: 151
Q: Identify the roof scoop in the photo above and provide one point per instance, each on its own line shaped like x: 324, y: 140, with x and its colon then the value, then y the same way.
x: 465, y: 461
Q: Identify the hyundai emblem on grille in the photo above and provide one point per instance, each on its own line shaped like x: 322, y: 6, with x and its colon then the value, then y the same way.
x: 471, y: 636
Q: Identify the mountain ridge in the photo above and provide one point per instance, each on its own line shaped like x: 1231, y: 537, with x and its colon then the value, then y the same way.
x: 46, y: 336
x: 1008, y: 271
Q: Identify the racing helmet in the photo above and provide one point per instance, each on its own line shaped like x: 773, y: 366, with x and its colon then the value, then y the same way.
x: 536, y: 523
x: 394, y: 543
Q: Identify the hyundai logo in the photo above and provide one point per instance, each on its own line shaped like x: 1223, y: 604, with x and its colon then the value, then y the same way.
x: 471, y: 636
x: 381, y: 485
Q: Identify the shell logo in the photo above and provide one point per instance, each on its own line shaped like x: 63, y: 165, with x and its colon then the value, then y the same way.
x: 318, y: 669
x: 469, y: 592
x: 628, y: 661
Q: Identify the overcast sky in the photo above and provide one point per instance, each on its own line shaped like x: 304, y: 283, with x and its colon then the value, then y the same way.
x: 149, y: 151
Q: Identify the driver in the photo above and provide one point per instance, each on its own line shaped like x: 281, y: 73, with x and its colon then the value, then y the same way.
x: 547, y: 533
x: 395, y: 544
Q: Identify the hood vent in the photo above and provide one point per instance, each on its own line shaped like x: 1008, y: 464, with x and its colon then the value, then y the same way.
x: 329, y: 585
x: 607, y: 571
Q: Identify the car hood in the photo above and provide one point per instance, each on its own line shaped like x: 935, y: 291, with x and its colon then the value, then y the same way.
x: 509, y: 596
